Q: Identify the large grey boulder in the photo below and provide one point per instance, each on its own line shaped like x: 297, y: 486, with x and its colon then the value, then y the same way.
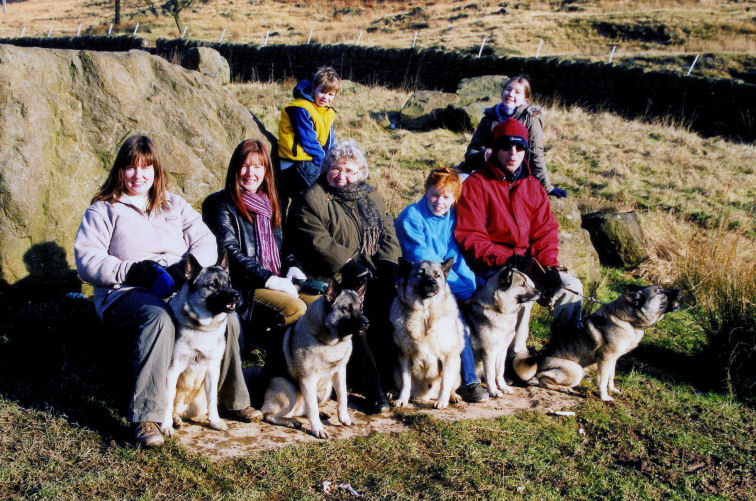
x: 576, y: 251
x: 209, y: 62
x: 63, y: 116
x: 476, y: 94
x: 618, y: 238
x: 425, y: 110
x: 461, y: 111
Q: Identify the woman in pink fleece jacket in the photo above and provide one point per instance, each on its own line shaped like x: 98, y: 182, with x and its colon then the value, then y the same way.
x: 130, y: 246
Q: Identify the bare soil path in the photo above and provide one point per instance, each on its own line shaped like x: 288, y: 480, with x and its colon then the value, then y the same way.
x: 250, y: 438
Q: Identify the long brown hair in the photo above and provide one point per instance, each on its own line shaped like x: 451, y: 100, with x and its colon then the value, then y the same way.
x: 268, y: 186
x: 135, y: 151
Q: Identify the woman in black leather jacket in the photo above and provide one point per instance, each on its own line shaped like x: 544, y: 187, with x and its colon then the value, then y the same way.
x: 246, y: 219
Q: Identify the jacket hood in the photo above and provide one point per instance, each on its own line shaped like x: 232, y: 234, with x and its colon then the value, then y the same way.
x: 520, y: 111
x: 303, y: 90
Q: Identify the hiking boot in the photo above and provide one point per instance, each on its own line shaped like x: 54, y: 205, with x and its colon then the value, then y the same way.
x: 247, y: 415
x: 147, y: 434
x: 473, y: 393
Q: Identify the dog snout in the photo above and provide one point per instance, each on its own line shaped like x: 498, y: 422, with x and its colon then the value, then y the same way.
x: 427, y: 287
x: 529, y: 297
x: 673, y: 299
x: 364, y: 325
x: 230, y: 299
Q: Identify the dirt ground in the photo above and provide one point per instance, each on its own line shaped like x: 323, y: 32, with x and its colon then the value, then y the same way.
x: 250, y: 438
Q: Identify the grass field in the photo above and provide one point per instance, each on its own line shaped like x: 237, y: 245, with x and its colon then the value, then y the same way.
x: 684, y: 426
x: 658, y: 33
x: 675, y: 431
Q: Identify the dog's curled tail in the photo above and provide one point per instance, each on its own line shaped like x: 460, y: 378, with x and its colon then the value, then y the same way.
x: 525, y: 365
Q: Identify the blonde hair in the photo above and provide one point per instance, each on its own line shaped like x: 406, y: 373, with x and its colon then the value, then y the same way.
x: 444, y: 179
x: 327, y: 79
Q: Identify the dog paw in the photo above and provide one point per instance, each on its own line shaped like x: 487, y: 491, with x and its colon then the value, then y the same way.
x: 607, y: 398
x: 455, y: 398
x: 345, y: 420
x: 442, y: 404
x: 495, y: 393
x: 506, y: 389
x: 167, y: 430
x: 614, y: 390
x: 218, y: 425
x: 400, y: 403
x: 319, y: 433
x: 177, y: 422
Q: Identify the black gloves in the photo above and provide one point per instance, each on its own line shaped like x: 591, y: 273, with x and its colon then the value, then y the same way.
x: 354, y: 274
x: 520, y: 263
x: 141, y: 274
x: 151, y: 276
x: 550, y: 283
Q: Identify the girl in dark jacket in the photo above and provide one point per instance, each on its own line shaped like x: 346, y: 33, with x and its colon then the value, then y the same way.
x: 246, y: 219
x: 515, y: 103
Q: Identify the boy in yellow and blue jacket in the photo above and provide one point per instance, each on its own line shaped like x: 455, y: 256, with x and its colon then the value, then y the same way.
x: 305, y: 131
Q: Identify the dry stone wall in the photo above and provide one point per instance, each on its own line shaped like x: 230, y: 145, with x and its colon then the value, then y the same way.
x: 710, y: 106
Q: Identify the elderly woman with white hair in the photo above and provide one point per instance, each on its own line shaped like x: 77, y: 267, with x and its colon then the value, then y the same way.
x: 340, y: 228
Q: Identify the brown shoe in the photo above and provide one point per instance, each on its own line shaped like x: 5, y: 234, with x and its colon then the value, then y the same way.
x: 248, y: 415
x: 147, y: 434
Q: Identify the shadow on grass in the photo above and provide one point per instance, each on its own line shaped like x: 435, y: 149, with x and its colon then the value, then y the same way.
x: 53, y: 348
x: 696, y: 370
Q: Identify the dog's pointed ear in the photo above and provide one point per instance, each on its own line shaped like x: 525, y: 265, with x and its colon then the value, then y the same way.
x: 446, y: 265
x: 191, y: 267
x: 223, y: 260
x: 361, y: 291
x: 332, y: 291
x: 505, y: 277
x: 405, y: 267
x: 635, y: 298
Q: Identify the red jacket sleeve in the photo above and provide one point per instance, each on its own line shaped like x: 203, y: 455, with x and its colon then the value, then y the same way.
x: 544, y: 229
x: 472, y: 232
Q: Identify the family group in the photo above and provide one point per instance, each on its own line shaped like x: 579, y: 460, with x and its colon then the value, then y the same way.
x: 315, y: 218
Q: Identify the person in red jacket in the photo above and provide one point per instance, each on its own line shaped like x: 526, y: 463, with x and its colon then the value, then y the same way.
x: 504, y: 217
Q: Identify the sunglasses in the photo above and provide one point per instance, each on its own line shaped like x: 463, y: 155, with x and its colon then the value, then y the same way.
x: 507, y: 145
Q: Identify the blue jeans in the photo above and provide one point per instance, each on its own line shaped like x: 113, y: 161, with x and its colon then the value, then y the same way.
x: 468, y: 361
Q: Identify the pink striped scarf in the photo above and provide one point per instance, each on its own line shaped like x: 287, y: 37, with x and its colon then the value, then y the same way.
x: 267, y: 250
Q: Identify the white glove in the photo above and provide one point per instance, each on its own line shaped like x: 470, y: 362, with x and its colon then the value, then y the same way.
x: 281, y: 284
x: 295, y: 272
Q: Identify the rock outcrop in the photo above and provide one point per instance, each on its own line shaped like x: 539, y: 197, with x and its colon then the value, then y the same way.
x: 461, y: 111
x: 618, y: 238
x: 576, y: 252
x: 209, y: 62
x: 65, y: 113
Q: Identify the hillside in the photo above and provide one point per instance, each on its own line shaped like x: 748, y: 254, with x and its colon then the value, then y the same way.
x: 656, y: 33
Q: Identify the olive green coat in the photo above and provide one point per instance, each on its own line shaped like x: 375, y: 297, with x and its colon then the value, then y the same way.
x: 324, y: 232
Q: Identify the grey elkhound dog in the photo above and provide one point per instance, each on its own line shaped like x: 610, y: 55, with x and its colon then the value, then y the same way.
x: 492, y: 315
x: 200, y: 311
x: 602, y: 338
x: 316, y: 350
x: 428, y: 332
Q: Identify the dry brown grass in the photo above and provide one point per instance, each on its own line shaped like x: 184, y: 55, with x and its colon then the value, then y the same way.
x: 715, y: 25
x: 603, y: 160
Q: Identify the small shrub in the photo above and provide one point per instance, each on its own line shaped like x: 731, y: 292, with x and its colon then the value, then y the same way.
x: 723, y: 280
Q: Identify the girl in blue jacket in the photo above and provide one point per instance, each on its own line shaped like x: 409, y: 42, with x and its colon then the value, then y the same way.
x: 425, y: 231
